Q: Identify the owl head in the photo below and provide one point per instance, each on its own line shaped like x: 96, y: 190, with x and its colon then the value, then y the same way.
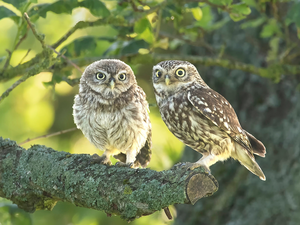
x: 172, y: 75
x: 108, y: 77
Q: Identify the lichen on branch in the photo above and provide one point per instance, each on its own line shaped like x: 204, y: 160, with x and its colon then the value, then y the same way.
x: 39, y: 177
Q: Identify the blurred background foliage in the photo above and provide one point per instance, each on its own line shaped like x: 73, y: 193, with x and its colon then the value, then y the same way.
x: 231, y: 43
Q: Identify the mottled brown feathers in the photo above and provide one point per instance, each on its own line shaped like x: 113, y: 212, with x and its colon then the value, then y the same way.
x: 202, y: 118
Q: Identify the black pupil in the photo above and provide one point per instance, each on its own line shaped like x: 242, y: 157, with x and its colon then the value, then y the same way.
x: 180, y: 72
x: 100, y: 75
x: 159, y: 73
x: 122, y: 76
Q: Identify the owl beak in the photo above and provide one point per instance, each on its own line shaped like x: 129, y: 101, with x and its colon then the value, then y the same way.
x: 167, y: 79
x: 112, y: 84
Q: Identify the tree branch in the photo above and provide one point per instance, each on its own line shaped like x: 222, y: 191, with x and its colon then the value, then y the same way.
x: 39, y: 177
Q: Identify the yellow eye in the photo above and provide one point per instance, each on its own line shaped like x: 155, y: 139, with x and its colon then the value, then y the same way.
x: 100, y: 76
x: 158, y: 73
x: 122, y: 76
x: 180, y: 72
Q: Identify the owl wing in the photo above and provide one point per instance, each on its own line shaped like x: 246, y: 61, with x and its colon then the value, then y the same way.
x: 144, y: 156
x: 219, y: 111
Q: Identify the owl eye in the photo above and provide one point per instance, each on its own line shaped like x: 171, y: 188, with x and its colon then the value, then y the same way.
x: 122, y: 76
x: 158, y: 73
x: 180, y: 72
x: 100, y: 76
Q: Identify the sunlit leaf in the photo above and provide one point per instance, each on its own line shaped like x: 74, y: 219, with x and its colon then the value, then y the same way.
x: 147, y: 36
x: 239, y: 11
x: 141, y: 25
x: 5, y: 12
x: 197, y: 13
x: 206, y: 19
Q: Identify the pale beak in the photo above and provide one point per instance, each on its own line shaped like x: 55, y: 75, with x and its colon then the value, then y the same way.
x: 167, y: 79
x: 112, y: 84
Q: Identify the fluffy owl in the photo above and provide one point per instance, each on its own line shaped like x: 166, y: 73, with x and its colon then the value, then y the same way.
x: 112, y: 112
x: 202, y: 118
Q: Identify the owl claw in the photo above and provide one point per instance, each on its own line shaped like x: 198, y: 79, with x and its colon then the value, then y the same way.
x: 121, y: 164
x: 101, y: 159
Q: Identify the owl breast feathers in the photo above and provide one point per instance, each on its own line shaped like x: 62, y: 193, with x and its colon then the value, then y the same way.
x: 112, y: 112
x: 202, y: 118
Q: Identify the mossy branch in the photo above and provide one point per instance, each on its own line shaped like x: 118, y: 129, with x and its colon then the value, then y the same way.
x: 39, y: 177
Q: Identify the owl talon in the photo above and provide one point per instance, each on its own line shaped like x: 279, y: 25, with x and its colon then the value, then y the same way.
x: 101, y: 159
x: 121, y: 164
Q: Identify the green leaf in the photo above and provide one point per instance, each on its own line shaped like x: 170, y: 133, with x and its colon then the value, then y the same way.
x: 294, y: 14
x: 206, y: 19
x: 5, y: 12
x: 274, y: 46
x: 96, y: 7
x: 132, y: 47
x: 253, y: 23
x: 147, y: 36
x: 239, y: 11
x: 270, y: 29
x: 221, y: 2
x: 141, y: 25
x: 16, y: 3
x: 144, y: 30
x: 80, y: 46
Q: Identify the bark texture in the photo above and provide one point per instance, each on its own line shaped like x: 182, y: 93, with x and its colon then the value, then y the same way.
x: 39, y: 177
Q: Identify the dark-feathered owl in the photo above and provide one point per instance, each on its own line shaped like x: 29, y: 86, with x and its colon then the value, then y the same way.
x: 202, y: 118
x: 112, y: 112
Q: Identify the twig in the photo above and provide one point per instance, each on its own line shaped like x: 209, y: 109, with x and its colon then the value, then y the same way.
x: 20, y: 41
x: 7, y: 61
x: 10, y: 52
x: 48, y: 135
x: 38, y: 36
x: 68, y: 60
x: 24, y: 56
x: 6, y: 93
x: 168, y: 213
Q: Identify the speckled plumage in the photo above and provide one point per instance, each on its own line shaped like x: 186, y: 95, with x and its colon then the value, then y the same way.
x: 202, y: 118
x: 113, y: 113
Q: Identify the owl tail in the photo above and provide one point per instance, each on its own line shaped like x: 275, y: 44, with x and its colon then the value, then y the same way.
x: 248, y: 161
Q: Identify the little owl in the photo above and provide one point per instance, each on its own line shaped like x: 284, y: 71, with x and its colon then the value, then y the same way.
x: 202, y: 118
x: 112, y: 112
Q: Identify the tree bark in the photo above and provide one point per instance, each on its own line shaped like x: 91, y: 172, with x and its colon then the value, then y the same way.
x: 39, y: 177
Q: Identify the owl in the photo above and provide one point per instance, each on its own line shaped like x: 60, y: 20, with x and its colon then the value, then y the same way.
x: 112, y: 112
x: 202, y: 118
